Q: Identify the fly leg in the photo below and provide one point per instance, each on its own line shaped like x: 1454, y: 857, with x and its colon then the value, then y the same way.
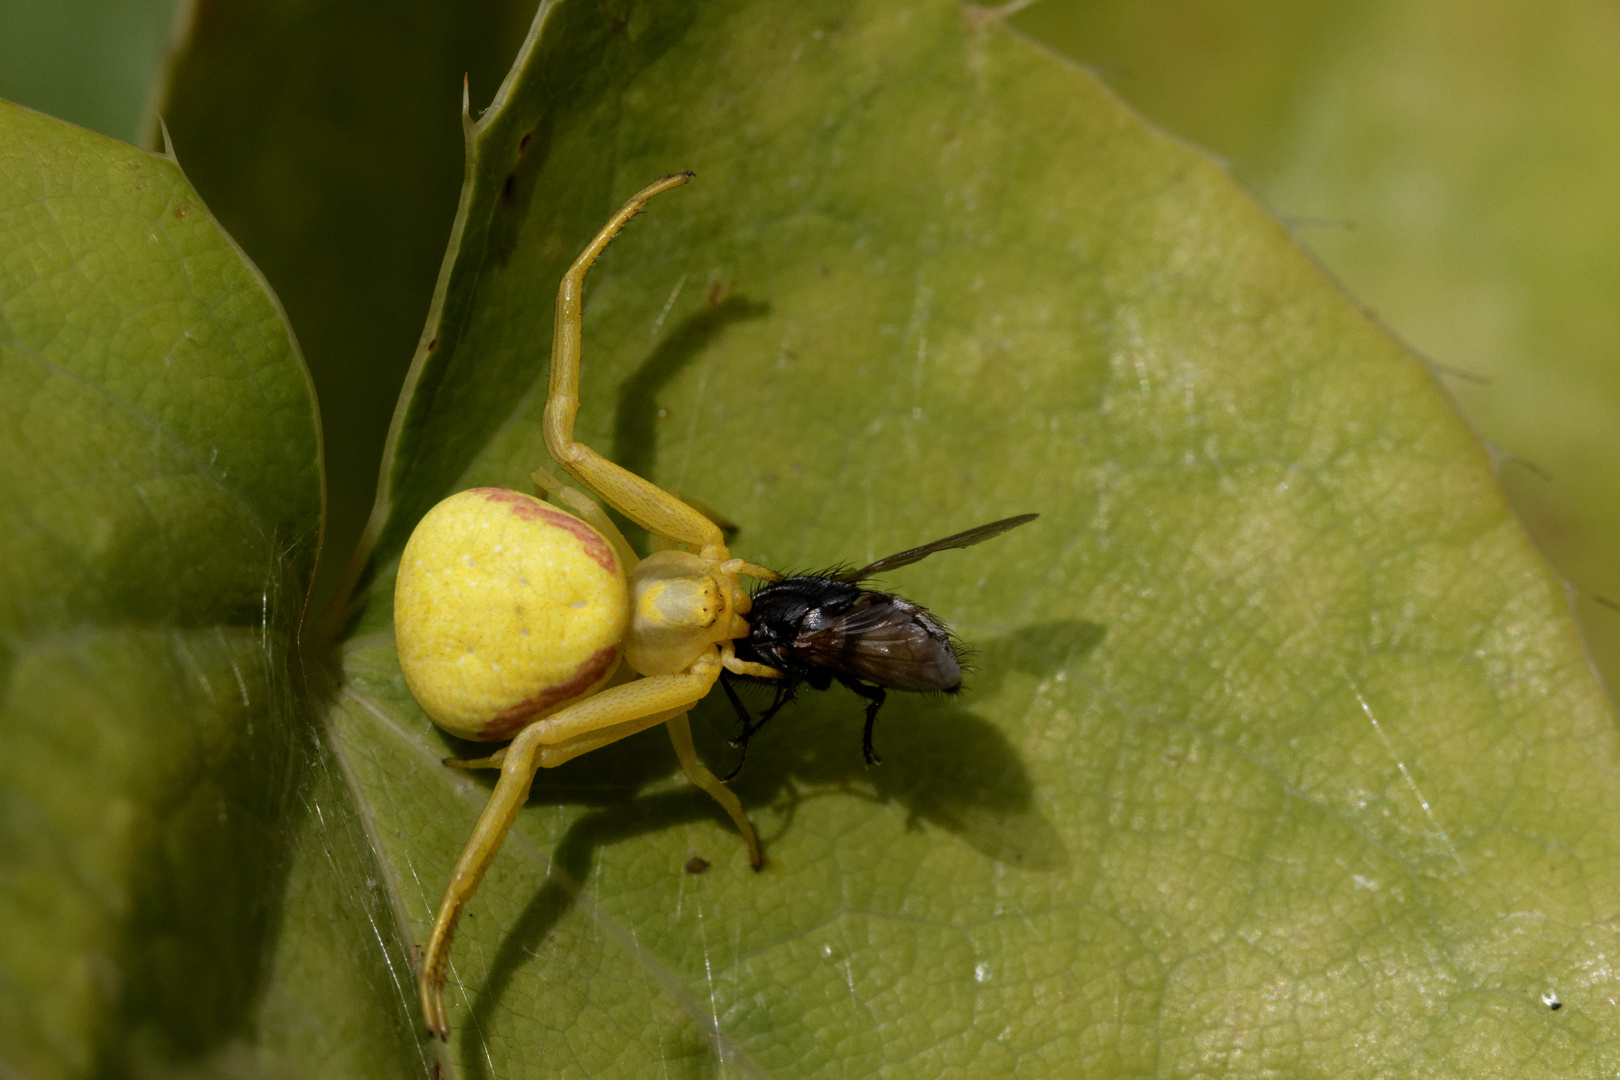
x: 875, y: 696
x: 747, y: 723
x: 784, y: 694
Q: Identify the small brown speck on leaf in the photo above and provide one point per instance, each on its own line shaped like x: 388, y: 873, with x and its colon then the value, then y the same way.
x: 697, y: 864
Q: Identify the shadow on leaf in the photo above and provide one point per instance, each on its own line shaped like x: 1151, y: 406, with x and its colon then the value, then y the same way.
x: 636, y: 420
x: 950, y: 768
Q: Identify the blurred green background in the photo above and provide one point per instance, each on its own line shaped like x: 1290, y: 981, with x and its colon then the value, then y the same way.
x: 1452, y: 163
x: 93, y: 62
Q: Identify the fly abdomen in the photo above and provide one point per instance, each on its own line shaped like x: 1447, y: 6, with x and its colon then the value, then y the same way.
x: 882, y: 639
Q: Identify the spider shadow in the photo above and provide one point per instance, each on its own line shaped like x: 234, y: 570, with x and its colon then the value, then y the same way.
x: 636, y: 419
x: 950, y: 768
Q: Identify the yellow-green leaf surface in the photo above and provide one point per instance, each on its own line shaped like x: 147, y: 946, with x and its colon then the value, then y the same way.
x: 1453, y: 163
x: 160, y: 469
x: 326, y: 138
x: 185, y: 888
x: 1281, y: 755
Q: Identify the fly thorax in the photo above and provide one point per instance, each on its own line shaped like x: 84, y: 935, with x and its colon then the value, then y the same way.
x: 679, y: 608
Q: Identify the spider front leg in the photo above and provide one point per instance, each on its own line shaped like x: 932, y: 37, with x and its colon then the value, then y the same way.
x: 644, y: 502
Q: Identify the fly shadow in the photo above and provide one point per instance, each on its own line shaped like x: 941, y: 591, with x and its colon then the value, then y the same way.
x: 947, y: 766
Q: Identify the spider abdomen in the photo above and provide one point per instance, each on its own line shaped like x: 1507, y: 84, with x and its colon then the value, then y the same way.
x: 505, y: 609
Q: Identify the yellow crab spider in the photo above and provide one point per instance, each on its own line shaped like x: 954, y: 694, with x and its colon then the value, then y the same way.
x: 512, y: 619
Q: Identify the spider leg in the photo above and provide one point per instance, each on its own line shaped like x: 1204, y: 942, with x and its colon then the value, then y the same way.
x: 642, y: 501
x: 584, y: 726
x: 493, y: 761
x: 680, y: 734
x: 875, y: 696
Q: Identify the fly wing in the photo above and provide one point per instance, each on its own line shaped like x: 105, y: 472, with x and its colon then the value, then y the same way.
x: 917, y: 554
x: 882, y: 639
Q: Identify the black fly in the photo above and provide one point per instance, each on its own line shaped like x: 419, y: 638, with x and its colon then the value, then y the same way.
x: 815, y: 628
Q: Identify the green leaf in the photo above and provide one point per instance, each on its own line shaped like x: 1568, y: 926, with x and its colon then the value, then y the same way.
x: 1454, y: 165
x: 326, y: 139
x: 1282, y: 755
x: 160, y: 466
